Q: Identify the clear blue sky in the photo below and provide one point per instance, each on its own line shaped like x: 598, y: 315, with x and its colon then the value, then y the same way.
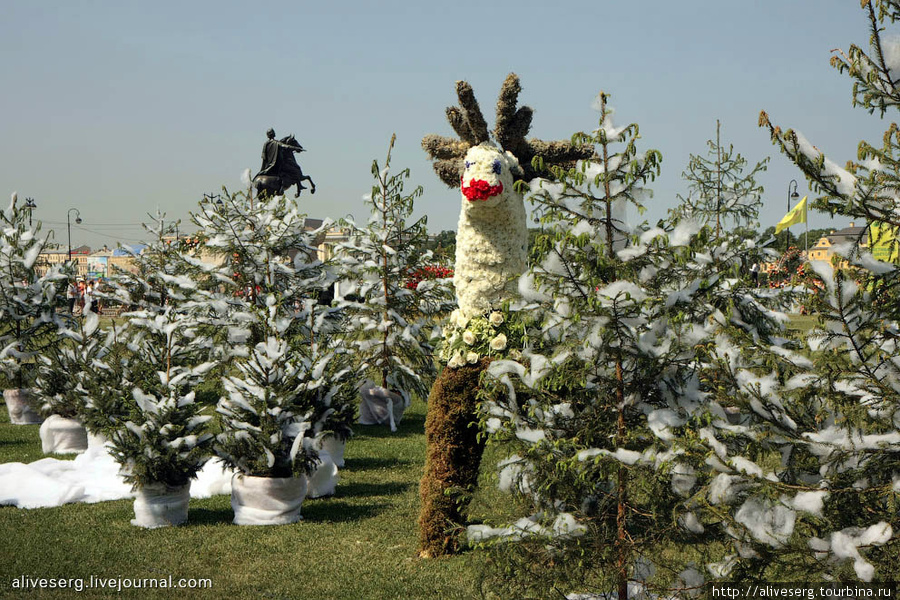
x: 119, y: 107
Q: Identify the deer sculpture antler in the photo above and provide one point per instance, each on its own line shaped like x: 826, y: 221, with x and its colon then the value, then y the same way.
x: 510, y: 129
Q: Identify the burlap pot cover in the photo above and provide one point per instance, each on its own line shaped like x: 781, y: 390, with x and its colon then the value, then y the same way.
x: 380, y: 406
x: 334, y: 447
x: 60, y: 435
x: 160, y: 505
x: 267, y: 500
x: 323, y: 481
x: 20, y: 412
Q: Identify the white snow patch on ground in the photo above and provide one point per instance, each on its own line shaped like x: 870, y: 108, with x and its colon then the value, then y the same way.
x: 91, y: 477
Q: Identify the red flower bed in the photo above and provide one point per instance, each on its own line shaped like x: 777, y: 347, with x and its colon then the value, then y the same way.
x: 429, y: 272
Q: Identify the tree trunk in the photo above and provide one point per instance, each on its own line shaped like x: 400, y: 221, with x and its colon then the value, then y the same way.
x: 453, y: 458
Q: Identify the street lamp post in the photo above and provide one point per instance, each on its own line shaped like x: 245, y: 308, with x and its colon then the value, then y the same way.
x: 30, y: 205
x: 219, y: 206
x: 69, y: 227
x: 791, y: 195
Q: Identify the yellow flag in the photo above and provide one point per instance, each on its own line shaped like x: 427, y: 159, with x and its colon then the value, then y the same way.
x: 797, y: 215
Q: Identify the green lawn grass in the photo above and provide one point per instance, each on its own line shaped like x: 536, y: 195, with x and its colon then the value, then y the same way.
x: 359, y: 544
x: 802, y: 323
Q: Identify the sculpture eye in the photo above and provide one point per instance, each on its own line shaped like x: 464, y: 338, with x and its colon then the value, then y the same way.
x: 496, y: 166
x: 469, y: 164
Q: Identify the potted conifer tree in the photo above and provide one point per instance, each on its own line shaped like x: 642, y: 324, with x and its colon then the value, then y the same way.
x: 62, y: 431
x: 269, y: 417
x: 388, y: 323
x: 161, y: 448
x: 72, y: 377
x: 288, y: 386
x: 28, y: 317
x: 156, y: 430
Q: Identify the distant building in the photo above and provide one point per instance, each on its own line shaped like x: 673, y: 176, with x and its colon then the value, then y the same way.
x: 105, y: 262
x: 331, y: 240
x: 123, y: 258
x: 824, y: 248
x: 57, y: 256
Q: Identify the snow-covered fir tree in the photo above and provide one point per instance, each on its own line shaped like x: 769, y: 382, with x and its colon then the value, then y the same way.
x: 160, y: 285
x: 29, y: 317
x: 94, y: 369
x: 598, y: 411
x: 94, y: 361
x: 809, y: 474
x: 162, y: 437
x: 802, y: 447
x: 290, y: 383
x: 388, y: 323
x: 65, y: 369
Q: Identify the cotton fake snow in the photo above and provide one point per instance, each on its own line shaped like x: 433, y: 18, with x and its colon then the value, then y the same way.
x: 91, y: 477
x: 30, y: 487
x: 690, y: 522
x: 564, y: 526
x: 811, y: 502
x: 770, y: 524
x: 514, y: 475
x: 662, y: 420
x: 722, y: 489
x: 214, y: 479
x: 846, y: 543
x: 683, y: 479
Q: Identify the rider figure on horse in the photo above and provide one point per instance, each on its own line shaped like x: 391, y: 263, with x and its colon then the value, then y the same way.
x: 277, y: 161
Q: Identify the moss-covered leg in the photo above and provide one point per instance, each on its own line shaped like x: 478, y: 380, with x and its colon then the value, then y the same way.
x: 453, y: 458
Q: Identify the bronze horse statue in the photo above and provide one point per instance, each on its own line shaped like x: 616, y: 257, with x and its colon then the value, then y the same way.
x: 282, y: 172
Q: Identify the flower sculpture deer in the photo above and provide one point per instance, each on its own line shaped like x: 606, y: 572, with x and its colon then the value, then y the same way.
x: 490, y: 255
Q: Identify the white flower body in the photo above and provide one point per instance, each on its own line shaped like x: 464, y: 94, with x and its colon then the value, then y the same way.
x: 492, y: 235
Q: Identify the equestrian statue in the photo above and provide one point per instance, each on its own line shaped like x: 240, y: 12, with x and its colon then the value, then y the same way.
x: 279, y: 169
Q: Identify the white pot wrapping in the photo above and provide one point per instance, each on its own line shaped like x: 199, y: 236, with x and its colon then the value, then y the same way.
x: 96, y: 440
x: 20, y: 412
x: 334, y: 447
x: 267, y: 500
x: 380, y: 406
x: 160, y: 505
x: 60, y: 435
x: 323, y: 481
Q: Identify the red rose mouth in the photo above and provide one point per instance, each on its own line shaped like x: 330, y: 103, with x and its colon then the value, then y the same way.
x: 479, y: 189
